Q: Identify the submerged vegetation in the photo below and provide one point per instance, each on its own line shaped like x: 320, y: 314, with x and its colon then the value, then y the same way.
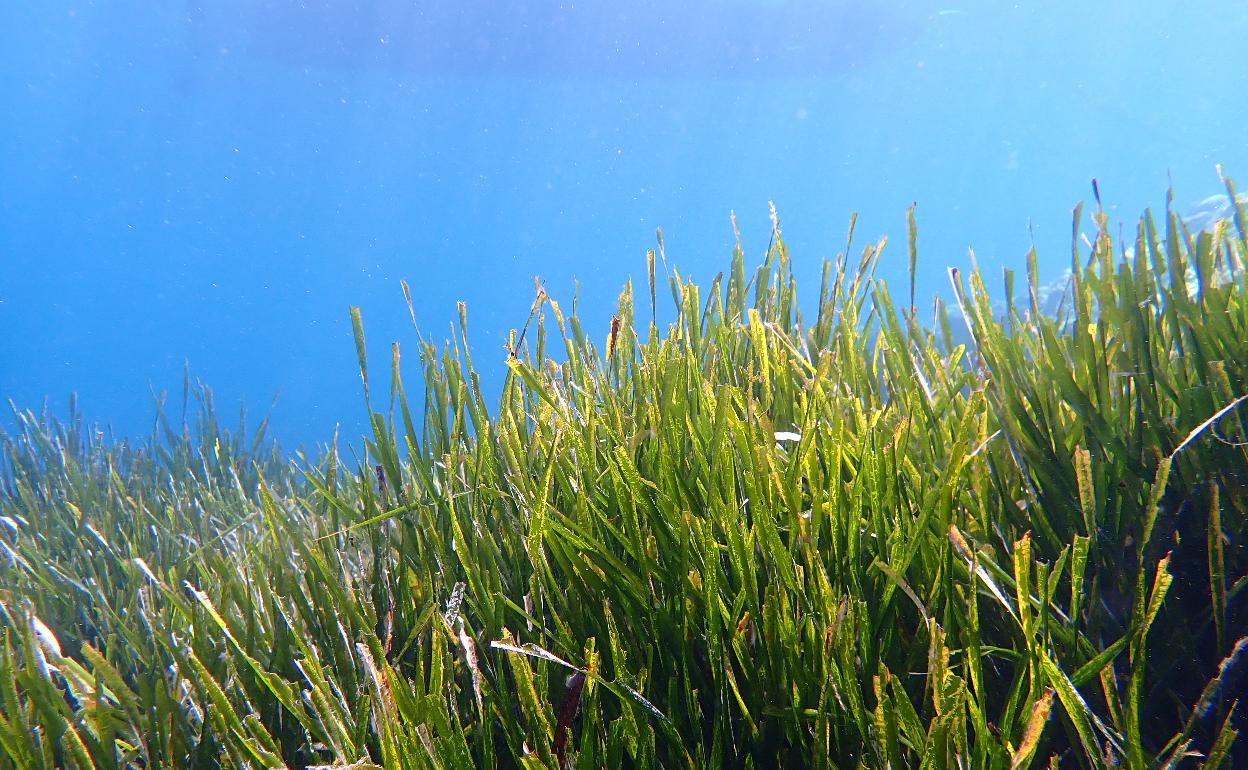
x: 746, y: 540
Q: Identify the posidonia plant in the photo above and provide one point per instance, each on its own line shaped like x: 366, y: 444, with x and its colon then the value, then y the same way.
x: 747, y: 539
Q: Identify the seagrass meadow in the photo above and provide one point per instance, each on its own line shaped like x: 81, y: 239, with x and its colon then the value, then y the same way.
x: 972, y: 537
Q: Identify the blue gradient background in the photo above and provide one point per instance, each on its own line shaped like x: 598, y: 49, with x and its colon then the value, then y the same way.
x: 216, y: 184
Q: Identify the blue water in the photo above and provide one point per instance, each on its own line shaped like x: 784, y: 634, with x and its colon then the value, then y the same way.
x: 217, y: 183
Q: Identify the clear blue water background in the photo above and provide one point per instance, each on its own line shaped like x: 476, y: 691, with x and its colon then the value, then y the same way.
x: 216, y: 184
